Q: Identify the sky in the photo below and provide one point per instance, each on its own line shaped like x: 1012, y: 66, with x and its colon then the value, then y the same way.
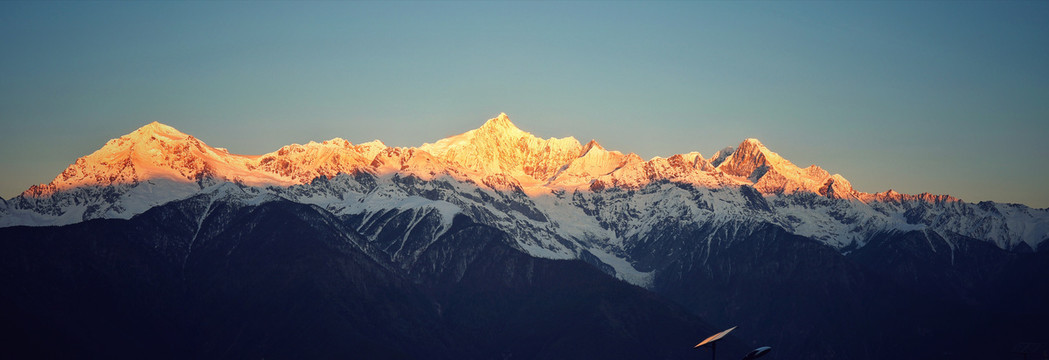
x: 942, y: 97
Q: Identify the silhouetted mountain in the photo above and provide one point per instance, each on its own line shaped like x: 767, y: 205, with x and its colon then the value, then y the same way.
x: 194, y: 279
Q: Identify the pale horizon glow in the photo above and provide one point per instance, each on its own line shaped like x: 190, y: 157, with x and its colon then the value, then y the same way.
x: 938, y: 97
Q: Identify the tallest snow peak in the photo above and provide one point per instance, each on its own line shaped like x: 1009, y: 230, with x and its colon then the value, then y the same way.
x: 501, y: 122
x: 499, y: 147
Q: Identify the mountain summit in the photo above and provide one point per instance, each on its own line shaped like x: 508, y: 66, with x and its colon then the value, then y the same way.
x: 501, y: 123
x: 158, y: 129
x: 153, y: 151
x: 771, y: 173
x: 499, y: 147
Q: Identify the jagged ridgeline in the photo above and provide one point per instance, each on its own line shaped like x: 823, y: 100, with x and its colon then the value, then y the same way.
x: 498, y: 231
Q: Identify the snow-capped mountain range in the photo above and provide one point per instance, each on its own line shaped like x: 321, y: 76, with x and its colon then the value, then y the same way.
x: 557, y: 197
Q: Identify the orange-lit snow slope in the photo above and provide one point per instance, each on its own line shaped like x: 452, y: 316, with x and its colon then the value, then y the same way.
x: 497, y: 154
x: 543, y: 191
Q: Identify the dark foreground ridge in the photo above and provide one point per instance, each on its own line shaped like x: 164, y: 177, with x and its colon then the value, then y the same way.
x: 193, y: 279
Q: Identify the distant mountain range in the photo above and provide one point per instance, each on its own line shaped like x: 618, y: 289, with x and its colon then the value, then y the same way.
x: 496, y: 243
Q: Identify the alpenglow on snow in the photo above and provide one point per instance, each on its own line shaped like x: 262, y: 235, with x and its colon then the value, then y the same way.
x: 557, y: 197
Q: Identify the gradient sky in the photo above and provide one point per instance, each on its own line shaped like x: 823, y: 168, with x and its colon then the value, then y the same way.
x: 941, y: 97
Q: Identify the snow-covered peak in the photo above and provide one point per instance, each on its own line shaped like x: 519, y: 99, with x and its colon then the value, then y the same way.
x: 501, y: 120
x: 752, y: 159
x: 752, y: 142
x: 591, y: 145
x: 771, y: 173
x: 499, y: 147
x: 157, y: 129
x: 593, y: 162
x: 300, y: 164
x: 154, y: 151
x: 499, y: 127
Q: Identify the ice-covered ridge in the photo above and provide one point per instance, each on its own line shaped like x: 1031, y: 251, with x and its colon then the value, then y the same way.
x: 496, y: 149
x: 157, y: 163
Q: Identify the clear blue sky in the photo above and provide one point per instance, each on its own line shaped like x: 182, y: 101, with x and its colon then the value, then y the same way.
x: 941, y: 97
